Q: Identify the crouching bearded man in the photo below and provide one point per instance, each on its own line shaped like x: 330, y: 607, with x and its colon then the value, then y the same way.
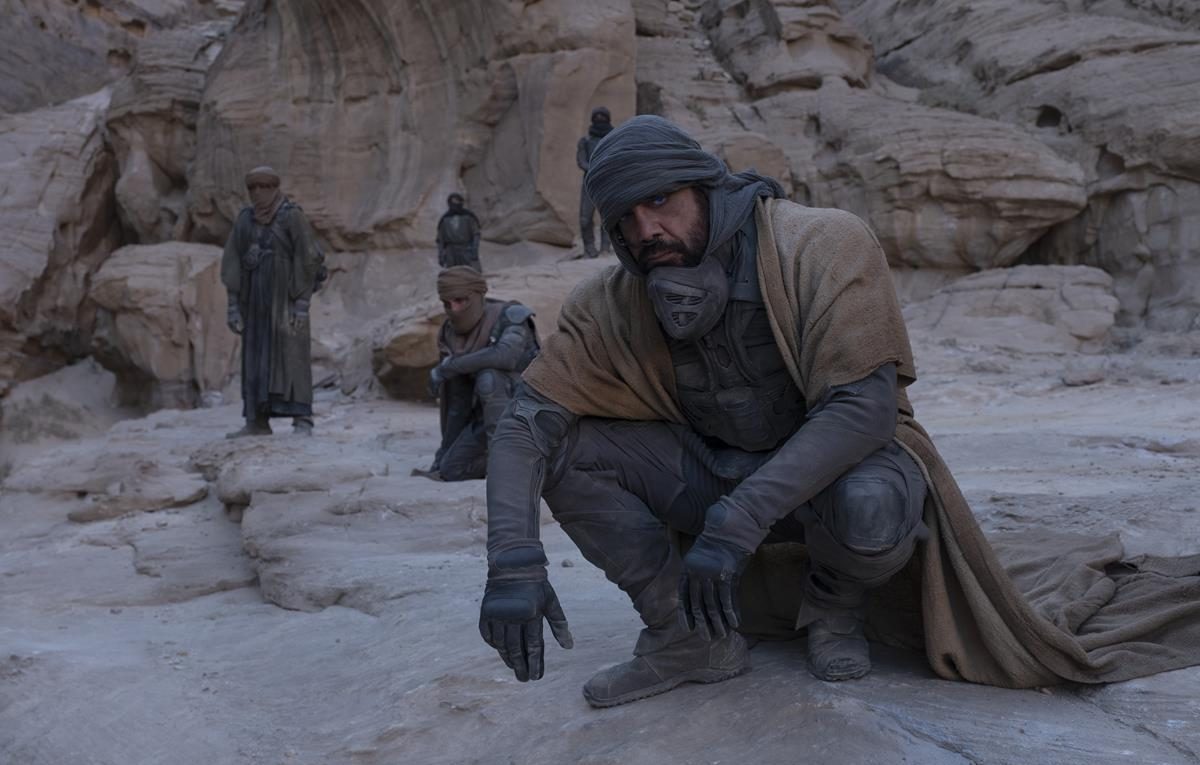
x: 738, y: 376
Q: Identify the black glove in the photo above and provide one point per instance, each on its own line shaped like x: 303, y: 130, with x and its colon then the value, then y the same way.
x: 436, y: 380
x: 233, y: 318
x: 711, y: 570
x: 510, y: 620
x: 299, y: 312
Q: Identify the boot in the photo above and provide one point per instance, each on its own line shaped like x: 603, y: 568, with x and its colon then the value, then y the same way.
x: 253, y: 427
x: 837, y: 646
x: 302, y: 426
x: 691, y: 660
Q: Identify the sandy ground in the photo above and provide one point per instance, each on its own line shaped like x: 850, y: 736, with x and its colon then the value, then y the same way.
x: 337, y: 622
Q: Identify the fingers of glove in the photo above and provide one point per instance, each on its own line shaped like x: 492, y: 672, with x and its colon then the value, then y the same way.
x: 712, y: 609
x: 514, y: 651
x: 686, y: 619
x: 557, y: 619
x: 727, y: 592
x: 696, y: 604
x: 534, y: 648
x: 493, y: 635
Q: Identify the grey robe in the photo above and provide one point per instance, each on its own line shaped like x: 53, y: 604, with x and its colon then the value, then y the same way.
x: 266, y: 269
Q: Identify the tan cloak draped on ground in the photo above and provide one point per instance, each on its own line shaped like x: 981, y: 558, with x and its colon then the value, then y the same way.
x: 1053, y: 610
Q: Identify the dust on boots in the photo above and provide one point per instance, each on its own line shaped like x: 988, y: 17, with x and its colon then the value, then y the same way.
x: 691, y: 660
x: 837, y: 646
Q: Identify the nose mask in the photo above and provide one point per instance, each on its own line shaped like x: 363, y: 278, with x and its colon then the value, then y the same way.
x: 689, y: 301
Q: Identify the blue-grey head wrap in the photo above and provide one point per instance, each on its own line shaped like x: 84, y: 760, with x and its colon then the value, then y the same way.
x: 649, y: 155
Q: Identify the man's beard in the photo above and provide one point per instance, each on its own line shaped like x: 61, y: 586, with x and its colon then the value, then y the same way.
x: 692, y: 249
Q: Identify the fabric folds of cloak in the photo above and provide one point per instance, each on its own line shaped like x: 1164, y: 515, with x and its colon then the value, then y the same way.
x: 266, y: 269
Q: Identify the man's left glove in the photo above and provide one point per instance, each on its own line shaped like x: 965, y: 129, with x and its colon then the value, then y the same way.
x: 233, y: 319
x: 510, y: 618
x: 299, y: 312
x: 712, y: 568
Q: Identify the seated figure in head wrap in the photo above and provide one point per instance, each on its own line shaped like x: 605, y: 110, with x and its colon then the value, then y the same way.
x: 675, y: 398
x: 601, y: 125
x: 458, y: 234
x: 485, y: 344
x: 270, y: 268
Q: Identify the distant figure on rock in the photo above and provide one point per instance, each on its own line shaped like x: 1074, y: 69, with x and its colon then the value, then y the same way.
x: 600, y: 127
x: 484, y: 344
x: 458, y: 235
x: 733, y: 387
x: 271, y: 266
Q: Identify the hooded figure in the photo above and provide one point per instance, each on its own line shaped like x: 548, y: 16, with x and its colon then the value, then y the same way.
x: 270, y: 268
x: 458, y: 234
x: 601, y: 125
x: 484, y: 346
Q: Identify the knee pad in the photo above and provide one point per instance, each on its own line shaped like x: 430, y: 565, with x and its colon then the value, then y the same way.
x: 870, y: 515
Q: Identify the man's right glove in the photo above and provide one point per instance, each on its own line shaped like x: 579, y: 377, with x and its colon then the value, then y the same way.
x: 510, y: 618
x: 436, y: 380
x: 233, y: 318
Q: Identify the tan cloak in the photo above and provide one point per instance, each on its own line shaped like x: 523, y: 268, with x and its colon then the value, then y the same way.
x: 1048, y: 613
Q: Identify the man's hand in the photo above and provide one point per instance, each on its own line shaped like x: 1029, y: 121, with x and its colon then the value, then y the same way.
x: 233, y: 318
x: 510, y: 620
x: 299, y: 312
x: 436, y: 380
x: 711, y: 570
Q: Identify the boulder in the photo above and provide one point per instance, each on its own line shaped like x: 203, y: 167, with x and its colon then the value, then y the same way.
x: 114, y: 482
x: 1114, y: 86
x: 77, y: 401
x: 59, y: 223
x: 775, y: 45
x: 280, y: 465
x: 1028, y: 309
x: 161, y: 323
x: 940, y: 189
x: 374, y: 111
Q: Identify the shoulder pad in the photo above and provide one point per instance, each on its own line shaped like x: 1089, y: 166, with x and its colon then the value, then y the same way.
x: 517, y: 313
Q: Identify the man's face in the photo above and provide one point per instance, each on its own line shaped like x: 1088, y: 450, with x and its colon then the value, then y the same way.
x: 261, y: 192
x: 667, y: 229
x: 456, y: 203
x: 456, y: 305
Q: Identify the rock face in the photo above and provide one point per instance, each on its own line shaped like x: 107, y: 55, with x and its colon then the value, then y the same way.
x: 1119, y: 94
x: 1036, y: 309
x: 776, y: 45
x: 152, y: 129
x: 941, y: 189
x: 53, y: 51
x: 59, y: 223
x: 374, y: 111
x: 161, y: 325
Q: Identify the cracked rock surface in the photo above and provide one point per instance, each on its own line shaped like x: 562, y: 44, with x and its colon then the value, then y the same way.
x: 337, y: 622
